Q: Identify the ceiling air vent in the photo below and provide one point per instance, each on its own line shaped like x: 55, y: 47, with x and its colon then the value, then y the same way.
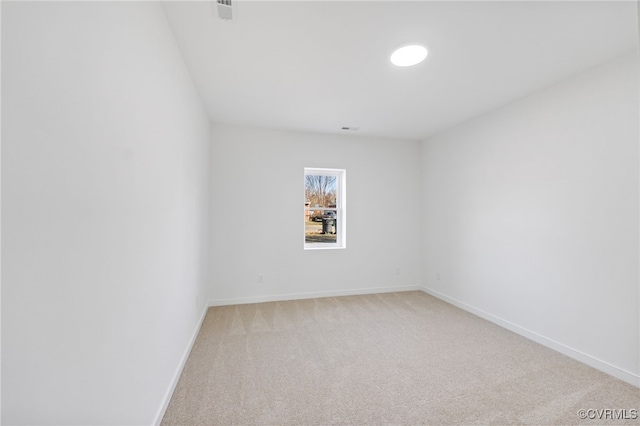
x: 225, y: 9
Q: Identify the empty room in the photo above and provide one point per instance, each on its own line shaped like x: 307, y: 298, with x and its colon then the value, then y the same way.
x: 320, y: 212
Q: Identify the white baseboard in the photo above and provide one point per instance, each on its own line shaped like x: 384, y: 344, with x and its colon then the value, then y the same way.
x: 312, y: 295
x: 552, y: 344
x: 176, y: 376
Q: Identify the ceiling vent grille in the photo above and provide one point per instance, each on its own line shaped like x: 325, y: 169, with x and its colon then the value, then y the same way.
x: 225, y: 9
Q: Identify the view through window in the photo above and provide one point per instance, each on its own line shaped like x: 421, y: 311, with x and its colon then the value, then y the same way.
x: 324, y: 191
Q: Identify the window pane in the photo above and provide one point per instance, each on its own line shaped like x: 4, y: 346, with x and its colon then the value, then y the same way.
x: 322, y: 230
x: 320, y: 191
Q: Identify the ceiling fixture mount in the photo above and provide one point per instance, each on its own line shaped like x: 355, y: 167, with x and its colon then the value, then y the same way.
x: 409, y: 55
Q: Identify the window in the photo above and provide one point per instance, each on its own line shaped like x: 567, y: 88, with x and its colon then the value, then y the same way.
x: 324, y: 208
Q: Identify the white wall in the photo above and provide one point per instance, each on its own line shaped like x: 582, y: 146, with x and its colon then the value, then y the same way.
x: 531, y: 214
x: 258, y: 213
x: 105, y: 199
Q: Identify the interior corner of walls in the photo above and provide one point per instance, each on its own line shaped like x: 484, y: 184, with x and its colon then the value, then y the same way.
x: 638, y: 22
x: 183, y: 361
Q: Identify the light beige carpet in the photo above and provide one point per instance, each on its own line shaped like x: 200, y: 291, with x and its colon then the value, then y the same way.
x: 396, y: 358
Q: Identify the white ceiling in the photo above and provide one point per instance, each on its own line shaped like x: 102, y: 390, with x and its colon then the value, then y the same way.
x: 317, y: 65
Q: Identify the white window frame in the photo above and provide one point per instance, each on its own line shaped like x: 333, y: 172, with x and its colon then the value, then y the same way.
x: 341, y: 208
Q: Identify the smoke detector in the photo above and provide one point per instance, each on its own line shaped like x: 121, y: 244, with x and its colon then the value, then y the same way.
x: 225, y: 9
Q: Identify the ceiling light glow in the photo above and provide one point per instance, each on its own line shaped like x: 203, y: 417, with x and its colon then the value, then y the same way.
x: 407, y: 56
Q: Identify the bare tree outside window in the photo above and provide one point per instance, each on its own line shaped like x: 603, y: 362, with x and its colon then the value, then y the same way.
x: 320, y: 190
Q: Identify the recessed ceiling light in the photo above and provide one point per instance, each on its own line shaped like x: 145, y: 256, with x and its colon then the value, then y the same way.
x: 409, y: 55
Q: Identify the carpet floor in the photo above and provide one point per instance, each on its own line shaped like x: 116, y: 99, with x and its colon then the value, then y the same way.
x: 394, y: 358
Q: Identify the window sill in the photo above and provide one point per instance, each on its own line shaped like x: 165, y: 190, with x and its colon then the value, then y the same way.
x: 323, y: 247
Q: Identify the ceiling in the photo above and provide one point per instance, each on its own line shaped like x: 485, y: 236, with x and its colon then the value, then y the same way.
x: 317, y: 66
